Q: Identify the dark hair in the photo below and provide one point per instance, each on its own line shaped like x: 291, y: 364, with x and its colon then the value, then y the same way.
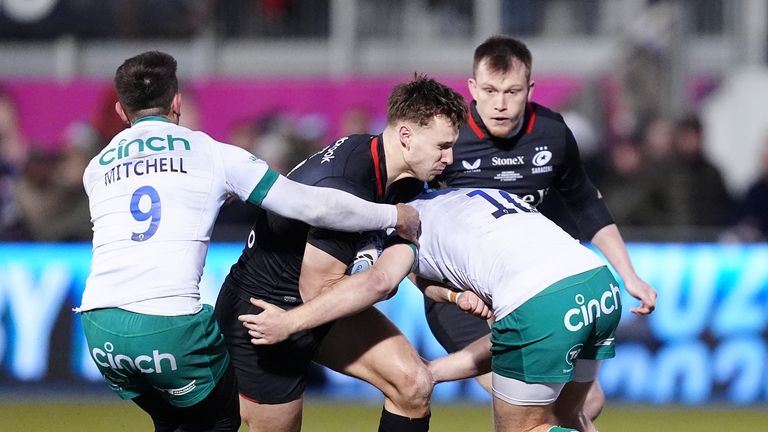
x: 423, y: 98
x: 500, y: 51
x: 146, y: 82
x: 690, y: 122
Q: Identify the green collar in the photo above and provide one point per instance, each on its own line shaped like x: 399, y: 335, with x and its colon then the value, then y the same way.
x: 151, y: 118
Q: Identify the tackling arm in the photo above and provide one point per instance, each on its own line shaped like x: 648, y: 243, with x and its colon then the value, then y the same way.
x: 334, y: 209
x: 473, y: 360
x: 467, y: 301
x: 328, y: 294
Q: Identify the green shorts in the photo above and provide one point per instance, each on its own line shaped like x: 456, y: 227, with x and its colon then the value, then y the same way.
x: 180, y: 357
x: 575, y: 318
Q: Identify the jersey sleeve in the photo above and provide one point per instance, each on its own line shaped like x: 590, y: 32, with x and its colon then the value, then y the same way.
x: 579, y: 194
x: 247, y: 176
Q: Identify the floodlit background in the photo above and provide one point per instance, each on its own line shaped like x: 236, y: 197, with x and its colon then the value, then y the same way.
x: 284, y: 78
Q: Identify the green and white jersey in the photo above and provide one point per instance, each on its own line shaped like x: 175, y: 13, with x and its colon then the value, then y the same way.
x: 154, y: 193
x: 495, y: 244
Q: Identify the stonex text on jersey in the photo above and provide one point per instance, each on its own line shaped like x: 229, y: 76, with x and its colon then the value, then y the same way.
x: 143, y: 166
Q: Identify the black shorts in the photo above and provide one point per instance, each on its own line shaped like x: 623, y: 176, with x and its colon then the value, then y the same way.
x: 267, y: 374
x: 452, y: 327
x: 219, y: 411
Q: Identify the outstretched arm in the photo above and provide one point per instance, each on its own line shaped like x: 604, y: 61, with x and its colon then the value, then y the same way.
x: 473, y: 360
x: 328, y: 294
x: 334, y: 209
x: 608, y: 240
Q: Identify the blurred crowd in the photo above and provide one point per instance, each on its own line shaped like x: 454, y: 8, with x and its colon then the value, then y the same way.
x: 661, y: 186
x: 41, y: 189
x: 658, y: 182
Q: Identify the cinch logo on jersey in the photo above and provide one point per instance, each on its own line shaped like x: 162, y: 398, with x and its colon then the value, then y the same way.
x: 585, y: 314
x: 517, y: 160
x: 154, y: 144
x: 142, y: 363
x: 328, y: 155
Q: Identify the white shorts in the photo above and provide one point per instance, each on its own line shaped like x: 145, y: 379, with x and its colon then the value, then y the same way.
x: 518, y: 392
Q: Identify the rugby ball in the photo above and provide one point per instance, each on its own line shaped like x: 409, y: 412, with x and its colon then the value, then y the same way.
x: 368, y: 251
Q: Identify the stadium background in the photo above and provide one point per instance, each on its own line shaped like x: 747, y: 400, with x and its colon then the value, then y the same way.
x: 283, y: 77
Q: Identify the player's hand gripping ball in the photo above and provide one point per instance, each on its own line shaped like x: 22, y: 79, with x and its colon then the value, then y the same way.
x: 369, y: 249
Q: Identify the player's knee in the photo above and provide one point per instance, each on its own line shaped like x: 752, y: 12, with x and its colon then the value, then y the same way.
x: 414, y: 388
x: 594, y: 403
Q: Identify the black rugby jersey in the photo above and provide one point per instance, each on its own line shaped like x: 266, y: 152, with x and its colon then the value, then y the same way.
x: 542, y: 155
x: 270, y: 264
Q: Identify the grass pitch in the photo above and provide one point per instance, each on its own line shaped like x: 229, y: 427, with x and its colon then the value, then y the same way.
x: 325, y: 416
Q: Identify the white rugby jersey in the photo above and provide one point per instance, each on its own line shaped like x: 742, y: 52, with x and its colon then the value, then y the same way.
x: 154, y: 193
x: 493, y: 243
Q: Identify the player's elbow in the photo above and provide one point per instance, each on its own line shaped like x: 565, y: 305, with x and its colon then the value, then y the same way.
x: 315, y: 215
x: 379, y: 283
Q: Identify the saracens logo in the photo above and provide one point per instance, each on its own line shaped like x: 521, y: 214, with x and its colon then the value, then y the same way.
x: 587, y: 312
x: 542, y: 156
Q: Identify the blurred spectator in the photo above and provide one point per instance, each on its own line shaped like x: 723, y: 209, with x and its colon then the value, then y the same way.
x: 698, y: 196
x: 309, y: 134
x: 658, y: 138
x: 50, y: 195
x: 267, y: 137
x: 13, y: 147
x: 593, y: 159
x: 355, y: 120
x: 105, y: 120
x: 244, y: 134
x: 752, y: 209
x: 629, y: 188
x: 35, y: 194
x: 272, y: 141
x: 280, y: 140
x: 591, y: 145
x: 13, y: 155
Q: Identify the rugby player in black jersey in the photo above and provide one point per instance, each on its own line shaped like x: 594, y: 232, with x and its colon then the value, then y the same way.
x: 285, y: 261
x: 526, y: 149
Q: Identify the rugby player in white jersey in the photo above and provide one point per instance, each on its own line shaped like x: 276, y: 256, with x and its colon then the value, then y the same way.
x: 155, y: 191
x: 555, y: 304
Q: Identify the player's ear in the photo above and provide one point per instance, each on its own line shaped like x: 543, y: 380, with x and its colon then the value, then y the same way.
x: 176, y: 104
x: 176, y: 107
x: 530, y: 90
x: 121, y: 112
x: 405, y: 133
x: 472, y: 86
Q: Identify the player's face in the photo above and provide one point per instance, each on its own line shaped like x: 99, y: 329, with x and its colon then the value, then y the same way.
x: 429, y: 149
x: 501, y: 97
